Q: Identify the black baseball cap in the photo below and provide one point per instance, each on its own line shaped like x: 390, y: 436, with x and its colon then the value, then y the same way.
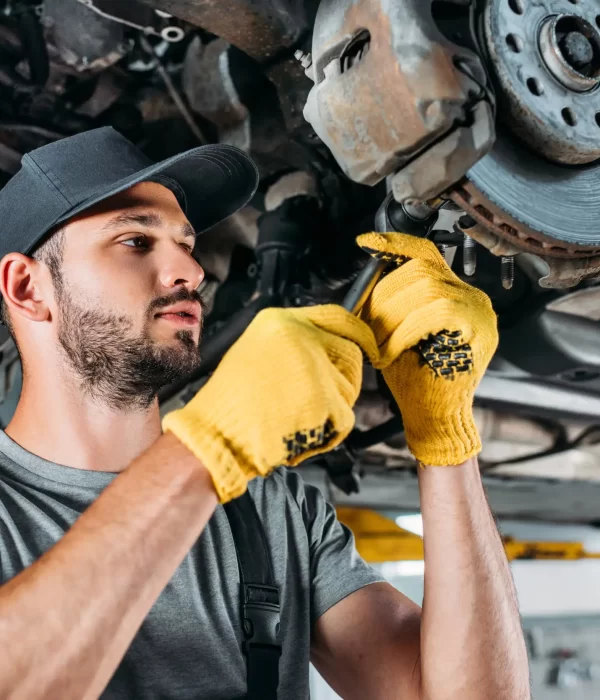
x: 66, y: 177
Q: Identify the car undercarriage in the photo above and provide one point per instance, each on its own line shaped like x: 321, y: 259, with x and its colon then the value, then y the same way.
x: 477, y: 121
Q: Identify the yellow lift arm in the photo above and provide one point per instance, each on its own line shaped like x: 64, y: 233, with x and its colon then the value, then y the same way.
x: 379, y: 539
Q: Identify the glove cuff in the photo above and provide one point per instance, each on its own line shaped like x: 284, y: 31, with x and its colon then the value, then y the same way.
x: 228, y: 477
x: 447, y: 441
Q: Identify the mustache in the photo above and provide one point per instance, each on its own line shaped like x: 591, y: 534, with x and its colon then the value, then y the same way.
x: 181, y: 295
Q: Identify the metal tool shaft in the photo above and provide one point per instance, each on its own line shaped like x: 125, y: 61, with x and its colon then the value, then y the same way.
x: 391, y: 216
x: 363, y: 285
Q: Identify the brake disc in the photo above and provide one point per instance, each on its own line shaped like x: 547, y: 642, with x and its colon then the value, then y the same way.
x: 543, y: 206
x: 540, y: 185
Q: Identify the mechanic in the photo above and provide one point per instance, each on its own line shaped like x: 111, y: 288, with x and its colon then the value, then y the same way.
x: 119, y: 570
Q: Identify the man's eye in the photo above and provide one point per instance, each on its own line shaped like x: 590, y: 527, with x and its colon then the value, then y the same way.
x: 140, y: 242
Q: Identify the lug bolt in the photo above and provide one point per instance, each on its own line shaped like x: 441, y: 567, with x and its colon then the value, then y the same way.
x: 577, y: 50
x: 469, y: 255
x: 507, y: 270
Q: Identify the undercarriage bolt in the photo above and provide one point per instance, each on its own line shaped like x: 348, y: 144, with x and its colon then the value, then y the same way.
x: 469, y: 255
x: 304, y: 58
x: 507, y: 270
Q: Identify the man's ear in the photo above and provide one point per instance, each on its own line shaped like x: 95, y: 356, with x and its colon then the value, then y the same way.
x: 22, y: 284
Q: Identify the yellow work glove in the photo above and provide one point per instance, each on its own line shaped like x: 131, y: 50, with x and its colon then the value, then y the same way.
x: 283, y: 392
x: 436, y: 337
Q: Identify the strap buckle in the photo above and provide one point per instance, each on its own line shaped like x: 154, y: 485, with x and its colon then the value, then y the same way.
x: 261, y: 616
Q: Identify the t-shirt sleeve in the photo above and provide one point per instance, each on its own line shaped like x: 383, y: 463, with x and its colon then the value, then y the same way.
x: 337, y: 570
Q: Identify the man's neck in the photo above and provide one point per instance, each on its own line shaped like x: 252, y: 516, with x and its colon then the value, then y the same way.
x: 55, y: 421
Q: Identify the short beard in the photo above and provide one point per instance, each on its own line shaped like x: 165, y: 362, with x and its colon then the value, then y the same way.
x: 115, y: 367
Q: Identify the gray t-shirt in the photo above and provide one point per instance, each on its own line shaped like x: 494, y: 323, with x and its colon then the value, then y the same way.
x: 189, y: 645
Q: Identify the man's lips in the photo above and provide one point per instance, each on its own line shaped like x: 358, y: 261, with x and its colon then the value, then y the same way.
x: 180, y: 320
x: 184, y: 313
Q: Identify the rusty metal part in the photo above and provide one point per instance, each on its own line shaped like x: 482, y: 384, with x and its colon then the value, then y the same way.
x: 574, y: 202
x: 387, y: 88
x: 482, y: 234
x: 550, y: 272
x: 261, y: 28
x: 520, y: 237
x: 563, y: 274
x: 553, y: 208
x: 545, y: 58
x: 445, y: 162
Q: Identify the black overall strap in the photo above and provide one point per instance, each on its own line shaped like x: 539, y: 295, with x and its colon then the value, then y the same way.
x: 260, y: 607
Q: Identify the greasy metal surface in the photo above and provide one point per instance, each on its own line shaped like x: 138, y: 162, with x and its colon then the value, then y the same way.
x: 84, y: 40
x: 261, y: 28
x: 210, y: 91
x: 293, y: 88
x: 231, y: 91
x: 557, y: 122
x: 377, y: 108
x: 264, y: 29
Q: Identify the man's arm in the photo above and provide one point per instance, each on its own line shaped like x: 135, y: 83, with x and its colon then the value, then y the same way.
x: 67, y: 620
x: 468, y: 643
x: 472, y: 641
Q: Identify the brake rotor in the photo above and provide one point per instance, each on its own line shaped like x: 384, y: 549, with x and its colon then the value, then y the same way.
x: 542, y: 207
x: 540, y: 185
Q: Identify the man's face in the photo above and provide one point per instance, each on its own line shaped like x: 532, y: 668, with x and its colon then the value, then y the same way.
x: 129, y: 317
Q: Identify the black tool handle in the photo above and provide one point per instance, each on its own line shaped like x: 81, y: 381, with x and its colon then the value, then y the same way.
x: 363, y: 285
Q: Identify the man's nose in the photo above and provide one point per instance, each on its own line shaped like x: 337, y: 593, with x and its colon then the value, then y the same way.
x: 180, y: 268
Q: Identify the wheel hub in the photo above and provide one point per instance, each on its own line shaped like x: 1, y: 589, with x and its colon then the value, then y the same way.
x: 538, y: 190
x: 545, y: 60
x: 570, y: 49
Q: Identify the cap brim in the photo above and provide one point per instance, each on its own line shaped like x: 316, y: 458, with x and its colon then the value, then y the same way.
x: 216, y: 181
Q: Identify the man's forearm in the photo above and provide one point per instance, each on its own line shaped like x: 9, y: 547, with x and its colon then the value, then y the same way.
x: 67, y: 620
x: 472, y: 644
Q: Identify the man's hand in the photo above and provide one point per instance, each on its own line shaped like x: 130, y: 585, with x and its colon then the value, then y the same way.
x: 436, y: 337
x: 284, y: 392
